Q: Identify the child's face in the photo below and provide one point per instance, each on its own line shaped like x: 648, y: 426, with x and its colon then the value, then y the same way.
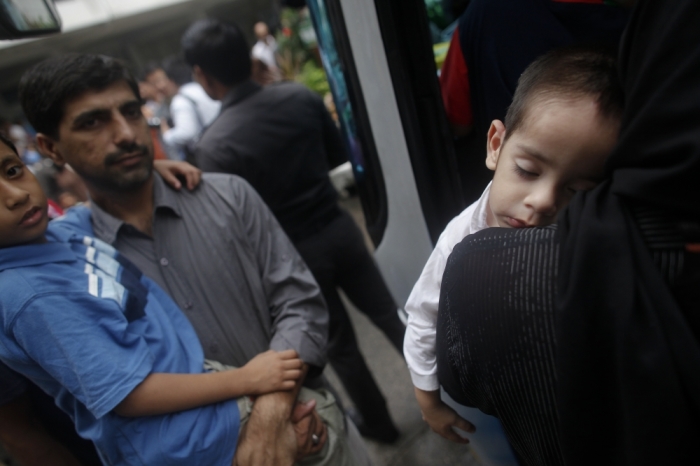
x: 23, y: 206
x: 560, y: 149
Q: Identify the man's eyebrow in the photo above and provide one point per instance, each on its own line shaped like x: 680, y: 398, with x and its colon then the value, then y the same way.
x: 95, y: 113
x: 534, y: 153
x: 130, y: 103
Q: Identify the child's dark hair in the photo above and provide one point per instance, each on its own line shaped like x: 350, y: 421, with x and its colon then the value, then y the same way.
x: 8, y: 142
x: 569, y: 72
x: 46, y: 87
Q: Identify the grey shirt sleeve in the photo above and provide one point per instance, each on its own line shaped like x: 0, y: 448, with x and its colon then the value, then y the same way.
x: 12, y: 385
x: 297, y: 307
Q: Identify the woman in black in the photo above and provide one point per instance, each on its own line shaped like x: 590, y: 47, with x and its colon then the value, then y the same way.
x: 584, y: 338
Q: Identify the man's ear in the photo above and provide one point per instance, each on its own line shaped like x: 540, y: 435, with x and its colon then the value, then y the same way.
x: 48, y: 148
x: 494, y: 143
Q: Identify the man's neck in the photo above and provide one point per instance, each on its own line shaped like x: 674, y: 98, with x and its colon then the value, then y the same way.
x: 222, y: 91
x: 134, y: 207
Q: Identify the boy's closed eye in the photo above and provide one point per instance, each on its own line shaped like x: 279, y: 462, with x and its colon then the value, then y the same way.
x: 525, y: 173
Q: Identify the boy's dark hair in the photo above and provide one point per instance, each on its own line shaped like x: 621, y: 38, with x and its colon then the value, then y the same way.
x: 219, y: 49
x: 569, y: 72
x: 46, y: 87
x: 177, y: 70
x: 8, y: 142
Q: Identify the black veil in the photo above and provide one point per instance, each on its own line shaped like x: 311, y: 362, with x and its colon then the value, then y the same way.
x: 628, y: 357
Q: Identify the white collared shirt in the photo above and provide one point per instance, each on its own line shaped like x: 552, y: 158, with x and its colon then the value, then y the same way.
x: 192, y: 110
x: 422, y: 304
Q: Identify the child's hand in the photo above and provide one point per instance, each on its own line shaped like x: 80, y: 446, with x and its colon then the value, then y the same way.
x: 170, y: 170
x: 272, y: 371
x: 440, y: 417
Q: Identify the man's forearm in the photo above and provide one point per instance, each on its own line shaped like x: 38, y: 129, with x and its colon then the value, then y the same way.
x: 277, y: 406
x: 269, y: 438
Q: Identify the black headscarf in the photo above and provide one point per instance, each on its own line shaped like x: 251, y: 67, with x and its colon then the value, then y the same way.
x: 628, y: 361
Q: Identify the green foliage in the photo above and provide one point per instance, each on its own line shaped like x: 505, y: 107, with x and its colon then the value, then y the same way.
x: 298, y: 51
x: 293, y: 51
x: 313, y: 77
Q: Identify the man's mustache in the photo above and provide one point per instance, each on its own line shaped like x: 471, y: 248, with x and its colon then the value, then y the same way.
x: 114, y: 157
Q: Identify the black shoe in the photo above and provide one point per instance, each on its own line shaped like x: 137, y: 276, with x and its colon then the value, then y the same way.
x: 385, y: 433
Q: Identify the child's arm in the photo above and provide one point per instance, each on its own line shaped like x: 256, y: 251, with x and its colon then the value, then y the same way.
x: 440, y: 417
x: 419, y: 343
x: 162, y: 393
x: 170, y: 170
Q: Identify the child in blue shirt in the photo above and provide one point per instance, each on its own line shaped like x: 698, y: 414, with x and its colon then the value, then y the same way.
x: 108, y: 344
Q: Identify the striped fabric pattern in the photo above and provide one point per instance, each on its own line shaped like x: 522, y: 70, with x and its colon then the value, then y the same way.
x: 496, y: 337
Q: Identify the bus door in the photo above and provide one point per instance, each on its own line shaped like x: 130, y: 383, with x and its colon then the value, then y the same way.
x: 379, y: 59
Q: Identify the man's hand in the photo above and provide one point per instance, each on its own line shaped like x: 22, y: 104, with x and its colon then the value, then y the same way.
x: 440, y: 417
x: 311, y: 432
x: 269, y: 438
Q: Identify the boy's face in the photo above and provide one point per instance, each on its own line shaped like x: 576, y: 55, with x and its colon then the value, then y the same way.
x: 23, y: 206
x: 105, y: 138
x: 560, y: 149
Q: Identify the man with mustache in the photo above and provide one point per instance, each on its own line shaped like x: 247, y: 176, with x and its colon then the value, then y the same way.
x: 218, y: 251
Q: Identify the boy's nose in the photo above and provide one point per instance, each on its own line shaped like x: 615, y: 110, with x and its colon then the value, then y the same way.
x: 12, y: 195
x: 543, y: 201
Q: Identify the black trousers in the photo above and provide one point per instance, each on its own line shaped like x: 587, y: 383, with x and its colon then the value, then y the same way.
x: 338, y: 258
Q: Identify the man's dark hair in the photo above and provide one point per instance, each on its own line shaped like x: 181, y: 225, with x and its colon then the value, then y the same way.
x: 568, y: 72
x: 219, y: 49
x: 46, y: 87
x: 177, y: 70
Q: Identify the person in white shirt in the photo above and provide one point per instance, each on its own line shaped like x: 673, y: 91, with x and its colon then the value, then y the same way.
x: 266, y: 46
x: 562, y: 125
x: 191, y: 109
x: 265, y: 69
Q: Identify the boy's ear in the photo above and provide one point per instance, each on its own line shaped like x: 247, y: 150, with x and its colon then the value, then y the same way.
x: 494, y: 143
x: 48, y: 148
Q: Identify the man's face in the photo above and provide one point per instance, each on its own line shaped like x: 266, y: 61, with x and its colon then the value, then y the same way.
x: 162, y: 83
x: 23, y: 205
x: 105, y: 139
x: 560, y: 149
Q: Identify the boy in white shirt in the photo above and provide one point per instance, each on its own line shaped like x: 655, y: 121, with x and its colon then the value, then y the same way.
x: 561, y: 126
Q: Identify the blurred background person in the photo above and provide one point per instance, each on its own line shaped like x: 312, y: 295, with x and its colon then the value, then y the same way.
x: 191, y: 109
x: 264, y: 55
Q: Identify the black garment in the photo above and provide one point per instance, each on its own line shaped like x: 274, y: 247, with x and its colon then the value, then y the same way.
x: 629, y: 358
x: 499, y: 39
x: 282, y: 140
x: 497, y: 332
x: 626, y: 347
x: 338, y: 257
x: 496, y: 335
